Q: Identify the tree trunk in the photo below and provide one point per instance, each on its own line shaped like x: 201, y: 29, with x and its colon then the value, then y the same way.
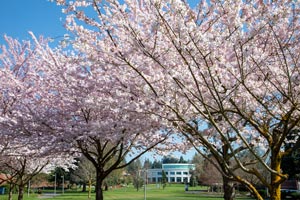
x: 21, y: 192
x: 10, y: 193
x: 99, y: 191
x: 275, y: 193
x: 228, y: 188
x: 84, y: 187
x: 90, y: 189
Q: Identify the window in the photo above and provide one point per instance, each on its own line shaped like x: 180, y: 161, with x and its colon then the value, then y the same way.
x: 159, y: 173
x: 178, y: 180
x: 172, y: 173
x: 178, y: 173
x: 185, y: 173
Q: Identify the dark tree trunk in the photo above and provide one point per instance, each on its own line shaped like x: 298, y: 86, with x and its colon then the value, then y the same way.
x: 229, y: 190
x: 21, y: 192
x: 10, y: 193
x: 84, y: 187
x: 99, y: 191
x: 10, y: 190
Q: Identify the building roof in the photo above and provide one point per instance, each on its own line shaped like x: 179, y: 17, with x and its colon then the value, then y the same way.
x: 4, y: 178
x: 185, y: 166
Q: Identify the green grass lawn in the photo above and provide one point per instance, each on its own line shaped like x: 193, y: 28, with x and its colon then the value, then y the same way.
x: 171, y: 192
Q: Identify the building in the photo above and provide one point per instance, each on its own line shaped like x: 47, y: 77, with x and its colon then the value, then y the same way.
x: 290, y: 185
x: 175, y: 173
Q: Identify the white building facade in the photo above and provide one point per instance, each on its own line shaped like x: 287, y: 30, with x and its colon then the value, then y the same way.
x: 175, y: 173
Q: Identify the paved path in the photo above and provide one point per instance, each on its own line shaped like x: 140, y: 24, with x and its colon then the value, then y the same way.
x: 47, y: 195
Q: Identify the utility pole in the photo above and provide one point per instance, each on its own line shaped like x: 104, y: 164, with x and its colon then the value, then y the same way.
x: 63, y: 184
x: 145, y: 184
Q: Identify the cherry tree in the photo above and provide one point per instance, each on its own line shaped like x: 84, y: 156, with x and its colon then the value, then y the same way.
x: 59, y: 102
x: 21, y: 167
x: 28, y: 144
x: 95, y: 112
x: 231, y: 66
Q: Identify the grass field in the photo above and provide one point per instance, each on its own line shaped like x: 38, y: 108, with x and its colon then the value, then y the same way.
x: 172, y: 192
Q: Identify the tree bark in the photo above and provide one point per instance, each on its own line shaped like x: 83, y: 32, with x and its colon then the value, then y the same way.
x: 10, y: 194
x: 228, y: 188
x: 99, y: 181
x: 90, y: 188
x: 84, y: 187
x: 21, y: 192
x: 275, y: 193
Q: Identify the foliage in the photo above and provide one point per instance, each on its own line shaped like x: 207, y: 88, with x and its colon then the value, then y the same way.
x: 193, y: 181
x: 134, y: 167
x: 147, y: 164
x: 291, y: 161
x: 39, y: 180
x: 199, y: 162
x: 57, y: 174
x: 210, y: 176
x: 156, y: 164
x: 138, y: 181
x: 173, y: 159
x: 136, y: 173
x: 114, y: 178
x: 164, y: 179
x: 84, y: 174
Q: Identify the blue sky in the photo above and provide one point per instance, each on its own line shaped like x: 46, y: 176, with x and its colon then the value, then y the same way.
x: 42, y: 17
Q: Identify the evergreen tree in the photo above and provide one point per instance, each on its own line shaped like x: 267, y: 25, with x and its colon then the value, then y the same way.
x: 134, y: 167
x: 181, y: 160
x: 164, y: 179
x: 169, y: 159
x: 156, y: 164
x: 147, y: 164
x: 291, y: 162
x: 138, y: 181
x: 193, y: 181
